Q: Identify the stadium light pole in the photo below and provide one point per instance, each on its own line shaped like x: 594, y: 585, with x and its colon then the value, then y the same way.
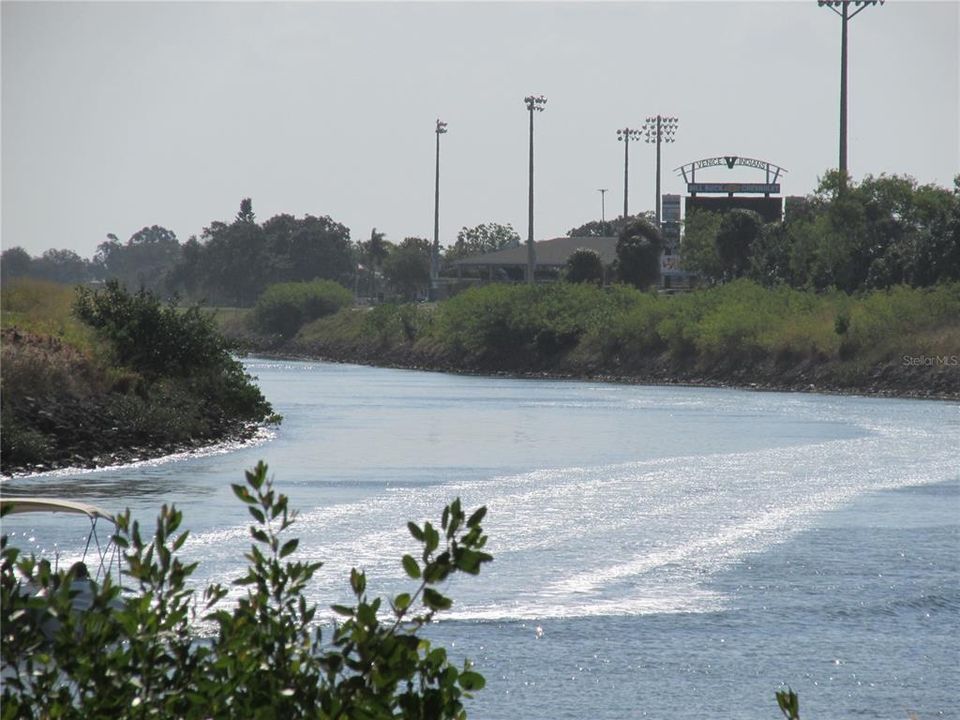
x: 842, y: 8
x: 625, y: 136
x: 534, y: 103
x: 659, y: 129
x: 441, y: 128
x: 603, y: 205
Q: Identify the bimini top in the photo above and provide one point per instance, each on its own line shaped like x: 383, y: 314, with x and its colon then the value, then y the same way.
x: 53, y: 505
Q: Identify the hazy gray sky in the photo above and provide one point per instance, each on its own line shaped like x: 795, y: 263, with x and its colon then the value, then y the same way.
x: 121, y: 115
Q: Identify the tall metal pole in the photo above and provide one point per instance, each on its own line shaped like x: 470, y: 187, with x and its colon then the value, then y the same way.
x: 533, y: 103
x: 657, y: 199
x: 845, y: 17
x: 603, y: 205
x: 624, y: 136
x: 626, y: 174
x: 435, y: 255
x: 656, y: 130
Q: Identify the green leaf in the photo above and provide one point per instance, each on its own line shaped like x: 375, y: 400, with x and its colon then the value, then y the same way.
x: 342, y: 610
x: 435, y: 601
x: 477, y: 517
x: 358, y: 581
x: 415, y: 531
x: 288, y: 547
x: 470, y: 680
x: 411, y: 567
x: 402, y: 601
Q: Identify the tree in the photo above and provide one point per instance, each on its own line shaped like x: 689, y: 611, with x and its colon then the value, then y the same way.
x: 266, y: 657
x: 698, y: 249
x: 584, y: 265
x: 738, y: 230
x: 608, y: 228
x: 407, y: 267
x: 15, y: 262
x: 63, y: 266
x: 144, y: 261
x: 375, y: 251
x: 484, y: 238
x: 299, y: 250
x: 638, y: 253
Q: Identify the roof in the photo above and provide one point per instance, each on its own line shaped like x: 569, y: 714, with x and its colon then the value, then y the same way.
x: 51, y: 505
x: 550, y: 253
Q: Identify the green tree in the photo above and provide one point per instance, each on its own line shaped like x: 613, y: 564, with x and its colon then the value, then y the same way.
x: 484, y: 238
x: 63, y: 266
x: 137, y: 655
x: 161, y: 342
x: 584, y: 265
x: 738, y: 231
x: 375, y: 251
x: 407, y: 267
x: 638, y: 253
x: 698, y: 249
x: 144, y: 261
x: 307, y: 249
x: 284, y: 308
x: 15, y: 262
x: 608, y: 228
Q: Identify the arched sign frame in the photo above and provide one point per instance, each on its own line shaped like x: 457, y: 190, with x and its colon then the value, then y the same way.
x: 772, y: 171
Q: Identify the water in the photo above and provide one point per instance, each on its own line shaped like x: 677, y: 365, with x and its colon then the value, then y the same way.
x: 660, y: 552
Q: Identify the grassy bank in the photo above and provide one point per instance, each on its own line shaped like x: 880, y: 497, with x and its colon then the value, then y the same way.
x: 903, y: 341
x: 108, y: 377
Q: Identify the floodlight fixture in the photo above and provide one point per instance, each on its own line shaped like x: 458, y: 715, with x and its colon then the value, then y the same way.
x: 625, y: 135
x: 659, y: 129
x: 440, y: 129
x: 533, y: 102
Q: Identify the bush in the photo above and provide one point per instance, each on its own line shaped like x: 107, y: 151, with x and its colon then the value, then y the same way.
x: 284, y: 308
x: 138, y: 654
x: 584, y: 265
x: 160, y: 341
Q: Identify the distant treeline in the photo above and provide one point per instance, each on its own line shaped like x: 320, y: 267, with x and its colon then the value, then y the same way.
x: 885, y: 231
x: 882, y: 232
x: 232, y: 263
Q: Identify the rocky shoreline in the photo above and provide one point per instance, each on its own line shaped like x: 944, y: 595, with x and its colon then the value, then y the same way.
x: 887, y: 381
x: 93, y: 457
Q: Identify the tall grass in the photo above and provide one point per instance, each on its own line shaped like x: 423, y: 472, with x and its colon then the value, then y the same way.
x: 43, y: 308
x: 518, y: 326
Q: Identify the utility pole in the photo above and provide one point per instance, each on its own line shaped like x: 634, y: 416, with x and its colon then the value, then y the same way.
x: 441, y: 128
x: 603, y: 205
x: 534, y: 103
x: 625, y: 136
x: 656, y: 130
x: 842, y: 8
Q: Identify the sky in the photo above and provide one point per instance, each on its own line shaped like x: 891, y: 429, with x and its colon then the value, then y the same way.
x: 120, y: 115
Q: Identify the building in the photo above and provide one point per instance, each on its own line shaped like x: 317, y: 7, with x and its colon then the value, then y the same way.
x: 510, y: 263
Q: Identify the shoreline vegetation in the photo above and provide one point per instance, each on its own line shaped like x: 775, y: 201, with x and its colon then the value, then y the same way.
x: 93, y: 378
x: 901, y: 342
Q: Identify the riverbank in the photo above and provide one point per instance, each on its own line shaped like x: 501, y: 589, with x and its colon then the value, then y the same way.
x: 901, y: 343
x: 93, y: 379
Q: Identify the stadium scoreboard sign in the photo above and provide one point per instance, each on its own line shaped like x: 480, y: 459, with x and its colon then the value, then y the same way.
x: 757, y: 188
x: 737, y: 194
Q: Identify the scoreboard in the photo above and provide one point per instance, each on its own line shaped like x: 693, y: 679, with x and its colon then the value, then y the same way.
x: 770, y: 209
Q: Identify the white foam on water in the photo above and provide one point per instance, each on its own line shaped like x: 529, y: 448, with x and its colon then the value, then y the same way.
x: 633, y: 538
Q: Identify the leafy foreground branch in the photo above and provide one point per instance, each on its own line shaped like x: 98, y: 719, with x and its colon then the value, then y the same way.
x: 134, y: 654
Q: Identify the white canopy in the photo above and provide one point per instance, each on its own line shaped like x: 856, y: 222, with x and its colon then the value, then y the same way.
x: 52, y: 505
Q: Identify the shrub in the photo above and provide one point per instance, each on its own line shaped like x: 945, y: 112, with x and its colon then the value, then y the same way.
x: 584, y: 265
x: 160, y: 341
x: 284, y: 308
x: 137, y: 655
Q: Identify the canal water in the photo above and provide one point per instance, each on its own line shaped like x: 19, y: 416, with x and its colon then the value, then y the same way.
x: 660, y: 552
